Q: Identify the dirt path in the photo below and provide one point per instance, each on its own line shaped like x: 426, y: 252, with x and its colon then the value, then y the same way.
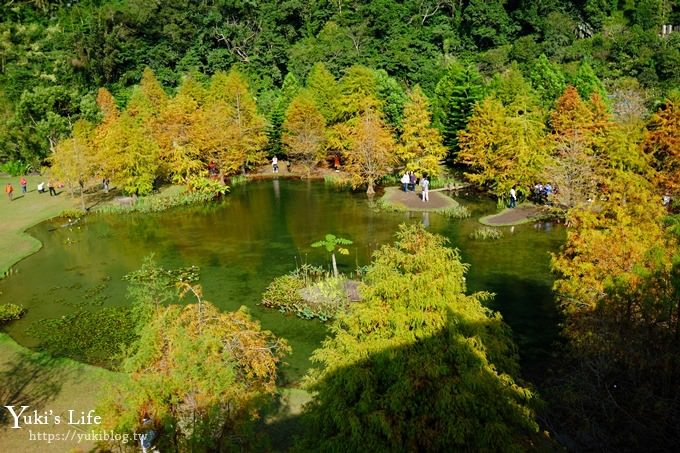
x: 412, y: 201
x: 514, y: 216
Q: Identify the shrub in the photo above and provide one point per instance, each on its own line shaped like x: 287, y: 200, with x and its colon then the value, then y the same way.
x: 199, y: 184
x: 16, y: 168
x: 485, y: 233
x: 10, y: 312
x: 159, y: 204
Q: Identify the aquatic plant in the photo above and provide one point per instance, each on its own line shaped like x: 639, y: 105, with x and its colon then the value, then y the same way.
x: 486, y: 233
x: 10, y: 312
x: 456, y: 212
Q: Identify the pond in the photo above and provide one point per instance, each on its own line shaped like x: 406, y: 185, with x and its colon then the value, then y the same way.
x: 263, y: 230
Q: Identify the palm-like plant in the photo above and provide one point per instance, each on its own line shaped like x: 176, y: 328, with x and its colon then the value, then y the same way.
x: 332, y: 242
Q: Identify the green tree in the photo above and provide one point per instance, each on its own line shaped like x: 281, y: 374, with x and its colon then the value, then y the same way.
x: 587, y: 83
x: 456, y: 95
x: 418, y: 365
x: 289, y: 90
x: 324, y: 89
x: 547, y: 79
x: 333, y: 243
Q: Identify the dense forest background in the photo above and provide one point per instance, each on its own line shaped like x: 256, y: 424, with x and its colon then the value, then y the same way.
x: 54, y: 55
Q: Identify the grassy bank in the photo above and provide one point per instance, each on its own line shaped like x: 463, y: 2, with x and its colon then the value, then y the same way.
x: 28, y: 378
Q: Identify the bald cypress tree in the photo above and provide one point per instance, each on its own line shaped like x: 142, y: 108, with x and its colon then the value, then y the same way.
x: 419, y: 365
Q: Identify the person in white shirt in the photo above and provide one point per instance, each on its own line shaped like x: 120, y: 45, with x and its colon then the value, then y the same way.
x: 425, y: 184
x: 513, y: 197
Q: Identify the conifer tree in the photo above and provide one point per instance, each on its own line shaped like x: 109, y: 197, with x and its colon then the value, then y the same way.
x: 370, y: 149
x: 547, y: 79
x: 289, y: 90
x: 304, y: 131
x: 457, y: 93
x: 231, y: 129
x: 503, y: 148
x: 662, y: 142
x: 419, y: 365
x: 421, y: 146
x: 587, y: 83
x: 324, y: 89
x: 198, y: 375
x: 73, y: 160
x: 357, y: 87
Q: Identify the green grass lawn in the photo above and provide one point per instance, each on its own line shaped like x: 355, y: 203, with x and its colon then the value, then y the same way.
x: 27, y: 377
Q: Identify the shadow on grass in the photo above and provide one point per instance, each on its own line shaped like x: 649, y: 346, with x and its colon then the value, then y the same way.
x: 30, y: 380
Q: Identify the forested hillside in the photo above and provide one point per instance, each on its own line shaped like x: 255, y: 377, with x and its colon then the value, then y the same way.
x: 54, y: 55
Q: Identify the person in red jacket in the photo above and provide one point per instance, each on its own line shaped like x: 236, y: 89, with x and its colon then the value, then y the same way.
x: 9, y: 190
x: 23, y: 183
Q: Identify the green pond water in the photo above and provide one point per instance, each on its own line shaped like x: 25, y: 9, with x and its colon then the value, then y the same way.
x: 263, y: 230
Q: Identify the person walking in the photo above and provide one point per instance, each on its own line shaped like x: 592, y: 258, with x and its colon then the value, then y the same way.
x: 275, y: 164
x: 50, y: 186
x: 425, y: 184
x: 9, y: 190
x: 23, y: 183
x: 513, y: 197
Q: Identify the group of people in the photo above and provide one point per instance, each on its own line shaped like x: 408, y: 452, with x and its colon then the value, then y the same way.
x: 23, y: 183
x: 539, y: 194
x: 9, y: 189
x: 409, y: 183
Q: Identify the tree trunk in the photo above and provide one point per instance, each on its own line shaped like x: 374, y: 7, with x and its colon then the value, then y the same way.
x: 335, y: 265
x: 370, y: 190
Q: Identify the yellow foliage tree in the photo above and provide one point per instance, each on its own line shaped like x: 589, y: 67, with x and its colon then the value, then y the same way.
x: 74, y: 160
x: 421, y: 146
x: 370, y: 150
x: 304, y: 131
x: 230, y: 127
x: 180, y: 156
x: 662, y: 142
x: 502, y: 148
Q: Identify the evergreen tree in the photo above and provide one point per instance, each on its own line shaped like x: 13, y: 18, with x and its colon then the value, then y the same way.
x: 457, y: 93
x: 393, y: 98
x: 587, y: 83
x: 324, y: 89
x: 277, y: 115
x: 547, y: 79
x: 419, y: 365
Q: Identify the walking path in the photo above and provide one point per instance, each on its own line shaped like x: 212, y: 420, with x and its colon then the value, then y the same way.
x: 411, y: 201
x: 513, y: 216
